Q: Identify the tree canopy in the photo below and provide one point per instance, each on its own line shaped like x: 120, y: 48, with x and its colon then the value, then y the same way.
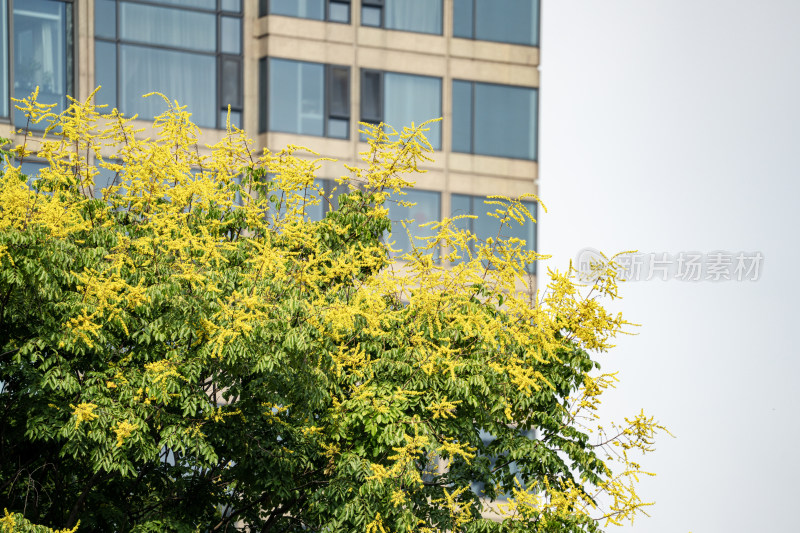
x: 187, y: 350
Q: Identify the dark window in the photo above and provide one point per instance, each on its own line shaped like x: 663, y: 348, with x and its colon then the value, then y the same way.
x: 427, y: 208
x: 498, y: 120
x: 188, y: 50
x: 505, y: 21
x: 42, y: 51
x: 485, y: 226
x: 307, y: 98
x: 400, y: 99
x: 422, y: 16
x: 330, y: 10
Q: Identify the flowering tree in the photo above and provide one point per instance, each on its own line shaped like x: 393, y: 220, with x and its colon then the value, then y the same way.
x: 187, y: 351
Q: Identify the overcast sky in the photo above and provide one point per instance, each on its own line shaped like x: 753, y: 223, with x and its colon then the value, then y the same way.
x: 668, y: 127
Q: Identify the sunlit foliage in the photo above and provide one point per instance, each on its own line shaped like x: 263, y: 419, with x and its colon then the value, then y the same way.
x: 186, y: 350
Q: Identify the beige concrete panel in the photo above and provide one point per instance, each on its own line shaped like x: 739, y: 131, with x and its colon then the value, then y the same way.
x: 306, y: 50
x: 494, y: 166
x: 325, y: 147
x: 489, y: 185
x: 401, y: 61
x: 505, y: 73
x: 306, y: 29
x: 494, y: 52
x: 83, y: 13
x: 421, y: 43
x: 438, y: 163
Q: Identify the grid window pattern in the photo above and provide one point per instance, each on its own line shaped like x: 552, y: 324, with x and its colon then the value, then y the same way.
x: 426, y: 208
x: 485, y: 226
x: 330, y: 10
x: 189, y: 50
x: 42, y: 51
x: 505, y: 21
x: 497, y: 120
x: 421, y: 16
x: 400, y: 99
x: 305, y: 98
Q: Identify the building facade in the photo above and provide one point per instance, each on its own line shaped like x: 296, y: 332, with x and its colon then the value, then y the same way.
x: 306, y: 72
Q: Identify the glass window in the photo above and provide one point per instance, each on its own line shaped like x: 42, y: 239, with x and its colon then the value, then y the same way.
x: 188, y: 78
x: 176, y: 50
x: 105, y: 18
x: 175, y: 28
x: 308, y: 98
x: 4, y: 102
x: 331, y: 10
x: 422, y: 16
x: 42, y: 52
x: 486, y: 226
x: 505, y: 21
x: 231, y: 35
x: 329, y: 200
x: 400, y: 99
x: 296, y: 97
x: 427, y: 209
x: 497, y: 120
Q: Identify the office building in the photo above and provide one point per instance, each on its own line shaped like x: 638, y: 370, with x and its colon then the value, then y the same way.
x: 306, y: 72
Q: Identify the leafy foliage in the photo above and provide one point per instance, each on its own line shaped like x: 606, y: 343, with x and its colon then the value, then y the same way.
x: 191, y: 353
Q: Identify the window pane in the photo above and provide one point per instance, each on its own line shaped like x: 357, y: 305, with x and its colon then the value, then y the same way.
x: 339, y: 12
x: 339, y: 92
x: 40, y: 52
x: 105, y: 73
x: 508, y: 21
x: 505, y: 121
x: 232, y: 5
x: 105, y: 18
x: 309, y: 9
x: 423, y: 16
x: 236, y: 119
x: 231, y: 82
x: 231, y: 38
x: 203, y: 4
x: 329, y: 198
x: 415, y: 99
x: 370, y: 16
x: 485, y: 226
x: 462, y: 18
x: 168, y: 27
x: 3, y: 58
x: 188, y: 78
x: 427, y: 209
x: 338, y: 128
x: 371, y: 97
x: 296, y: 97
x: 462, y: 116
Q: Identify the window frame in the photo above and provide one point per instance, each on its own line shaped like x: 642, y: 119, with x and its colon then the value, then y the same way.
x: 381, y: 4
x: 220, y: 57
x: 70, y: 49
x: 474, y: 32
x: 264, y: 10
x: 473, y: 107
x: 327, y: 77
x: 382, y: 94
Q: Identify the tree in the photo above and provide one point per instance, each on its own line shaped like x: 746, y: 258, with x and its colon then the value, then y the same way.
x: 189, y: 352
